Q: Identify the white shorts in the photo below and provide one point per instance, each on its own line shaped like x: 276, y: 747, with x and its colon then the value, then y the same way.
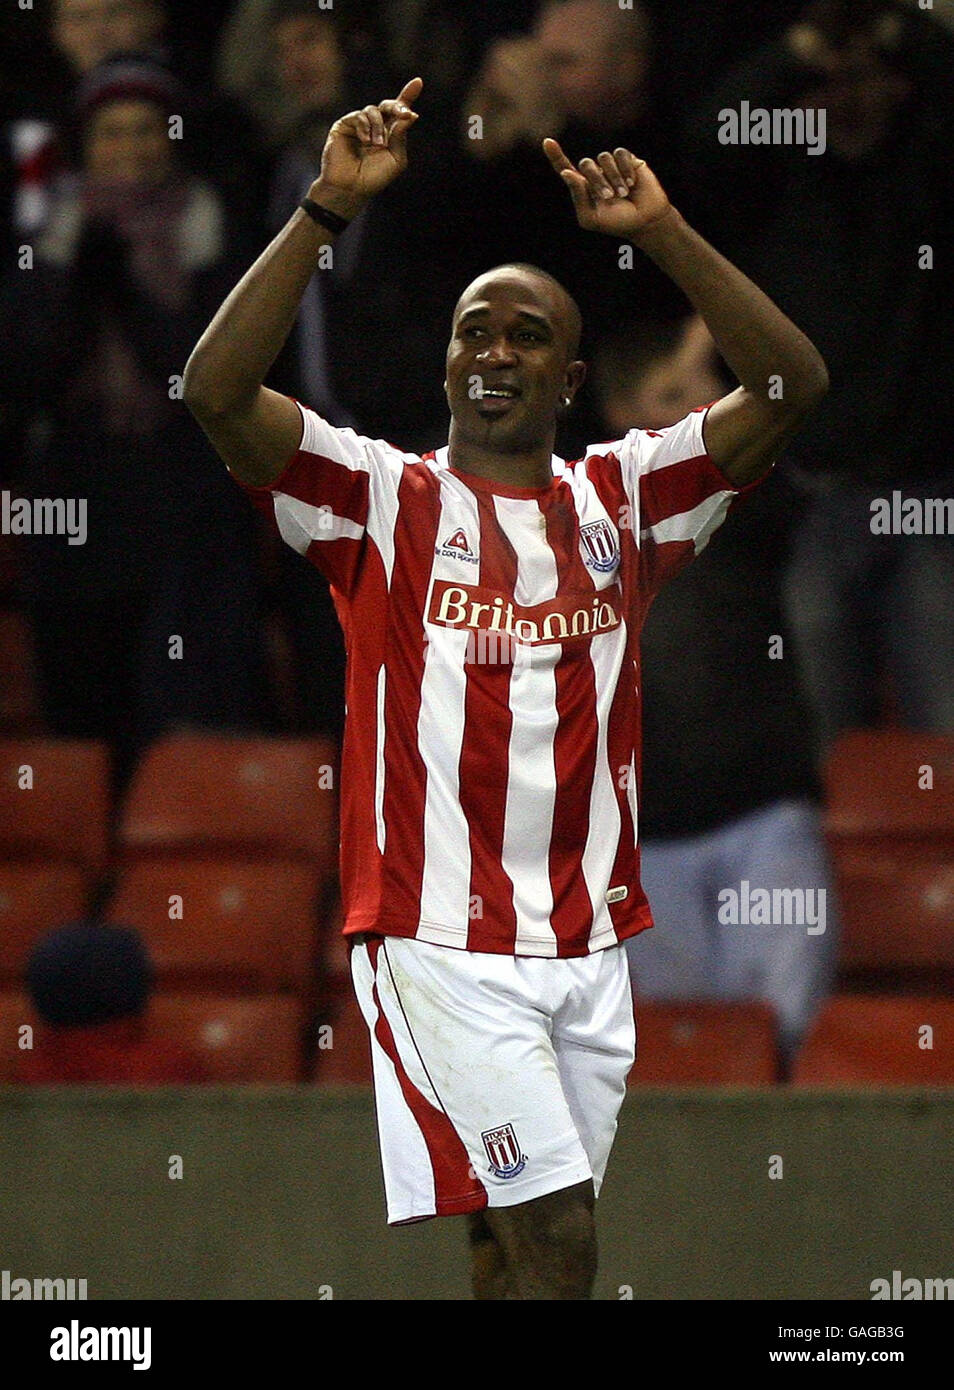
x: 497, y: 1078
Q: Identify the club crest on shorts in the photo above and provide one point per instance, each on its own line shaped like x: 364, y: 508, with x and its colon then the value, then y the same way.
x: 503, y: 1152
x: 599, y: 543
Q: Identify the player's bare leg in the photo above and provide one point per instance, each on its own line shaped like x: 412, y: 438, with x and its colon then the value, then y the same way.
x: 488, y: 1265
x: 548, y: 1248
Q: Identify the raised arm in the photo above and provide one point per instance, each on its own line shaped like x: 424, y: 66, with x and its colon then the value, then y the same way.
x: 256, y: 431
x: 783, y: 375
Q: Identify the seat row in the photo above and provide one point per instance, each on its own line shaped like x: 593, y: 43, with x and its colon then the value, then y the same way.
x: 858, y: 1041
x: 889, y: 823
x: 195, y: 794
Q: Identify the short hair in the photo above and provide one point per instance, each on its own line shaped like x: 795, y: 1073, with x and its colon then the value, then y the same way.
x: 129, y: 77
x: 576, y: 318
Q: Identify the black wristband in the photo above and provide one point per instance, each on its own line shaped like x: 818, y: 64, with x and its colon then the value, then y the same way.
x: 329, y: 220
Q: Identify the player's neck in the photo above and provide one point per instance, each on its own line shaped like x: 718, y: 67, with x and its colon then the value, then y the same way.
x: 531, y: 468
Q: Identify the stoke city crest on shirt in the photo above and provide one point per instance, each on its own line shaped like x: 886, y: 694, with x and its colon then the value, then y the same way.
x: 600, y: 550
x: 503, y: 1152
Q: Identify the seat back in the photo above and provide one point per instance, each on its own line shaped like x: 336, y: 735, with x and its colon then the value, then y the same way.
x: 54, y: 800
x: 200, y: 795
x: 254, y: 1040
x: 704, y: 1044
x: 231, y: 925
x: 866, y: 1040
x: 876, y: 785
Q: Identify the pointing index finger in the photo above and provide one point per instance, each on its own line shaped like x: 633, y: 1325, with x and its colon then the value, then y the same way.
x: 410, y: 91
x: 554, y: 152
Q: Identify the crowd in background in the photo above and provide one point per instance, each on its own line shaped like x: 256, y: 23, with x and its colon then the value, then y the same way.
x: 152, y: 147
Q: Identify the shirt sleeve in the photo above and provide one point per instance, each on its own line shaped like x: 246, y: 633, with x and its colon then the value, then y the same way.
x: 338, y: 492
x: 678, y: 497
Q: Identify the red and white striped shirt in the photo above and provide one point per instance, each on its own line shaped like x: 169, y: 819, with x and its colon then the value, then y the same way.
x: 489, y: 769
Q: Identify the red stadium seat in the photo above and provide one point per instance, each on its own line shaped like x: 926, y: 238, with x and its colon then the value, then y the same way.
x: 243, y: 926
x: 347, y: 1061
x: 203, y: 795
x: 892, y: 845
x: 33, y: 899
x: 63, y: 815
x: 897, y: 906
x: 704, y: 1044
x: 237, y: 1040
x: 865, y: 1040
x: 19, y: 702
x: 873, y: 786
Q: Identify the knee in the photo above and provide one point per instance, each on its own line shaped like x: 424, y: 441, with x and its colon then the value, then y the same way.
x: 560, y: 1232
x: 570, y: 1232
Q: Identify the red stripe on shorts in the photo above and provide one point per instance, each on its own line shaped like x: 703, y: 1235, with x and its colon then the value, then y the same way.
x: 456, y: 1187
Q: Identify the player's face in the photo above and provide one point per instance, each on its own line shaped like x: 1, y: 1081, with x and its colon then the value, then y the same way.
x: 508, y: 363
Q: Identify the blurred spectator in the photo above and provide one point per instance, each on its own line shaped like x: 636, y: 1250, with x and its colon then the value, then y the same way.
x: 444, y: 40
x: 217, y: 139
x: 585, y: 75
x: 655, y: 374
x: 90, y: 985
x: 131, y: 267
x: 87, y: 32
x: 306, y: 40
x: 855, y: 244
x: 440, y: 40
x: 585, y: 64
x: 728, y: 793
